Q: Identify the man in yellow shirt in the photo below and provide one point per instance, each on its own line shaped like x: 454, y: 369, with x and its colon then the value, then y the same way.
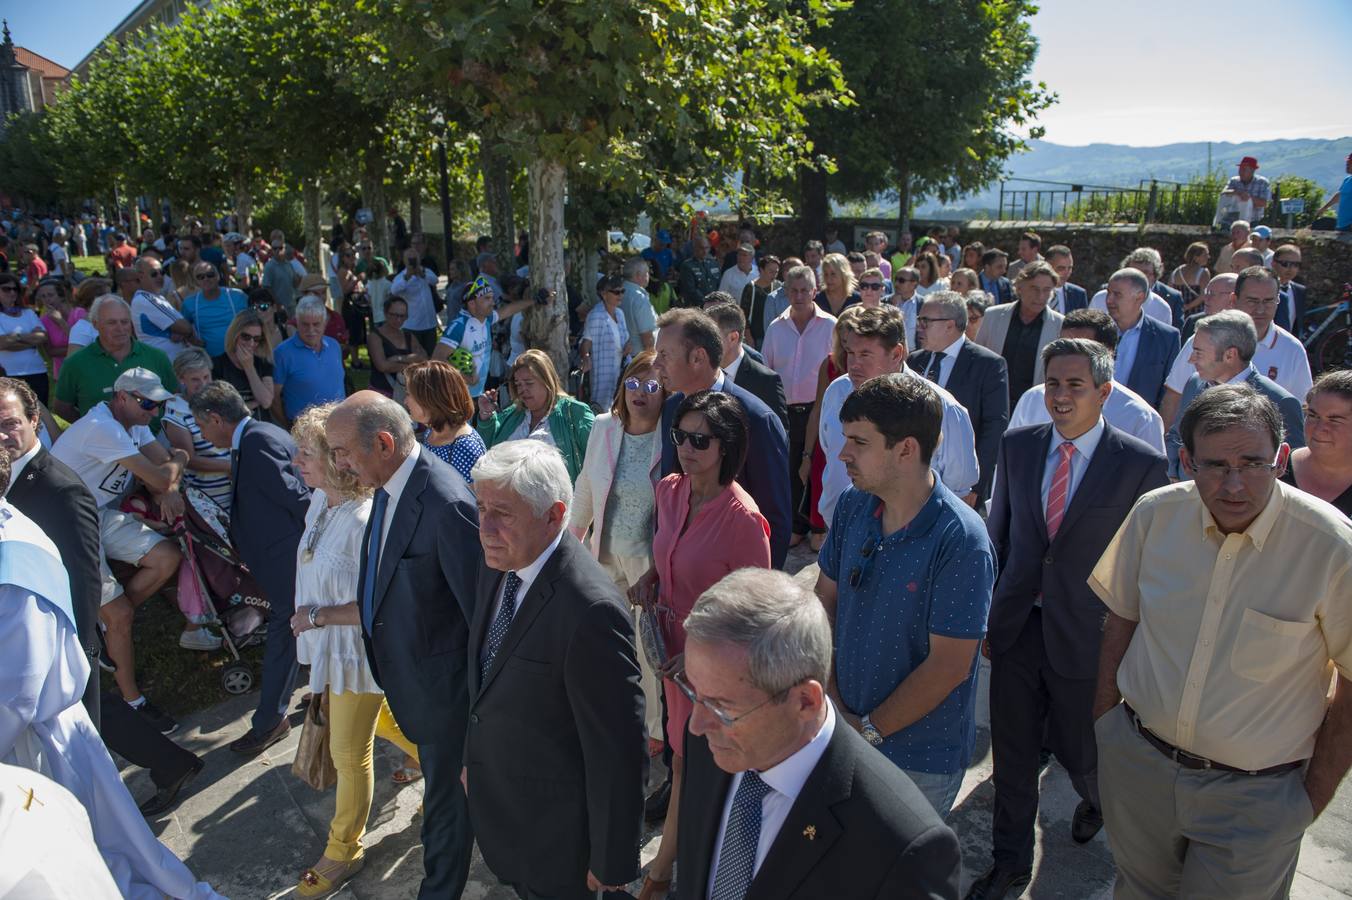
x: 1230, y: 607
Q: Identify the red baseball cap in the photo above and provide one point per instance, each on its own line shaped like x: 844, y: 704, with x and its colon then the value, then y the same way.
x: 1248, y: 161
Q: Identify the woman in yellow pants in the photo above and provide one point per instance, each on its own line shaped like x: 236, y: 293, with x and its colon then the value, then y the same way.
x: 328, y: 638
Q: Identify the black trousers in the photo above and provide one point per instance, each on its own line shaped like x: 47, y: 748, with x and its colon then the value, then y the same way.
x: 131, y: 736
x: 1030, y: 702
x: 799, y: 413
x: 279, y: 654
x: 447, y: 836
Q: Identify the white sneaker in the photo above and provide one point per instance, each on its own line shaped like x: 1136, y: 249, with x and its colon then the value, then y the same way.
x: 199, y: 639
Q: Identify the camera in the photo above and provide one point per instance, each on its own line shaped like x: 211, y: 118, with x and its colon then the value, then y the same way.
x: 543, y: 297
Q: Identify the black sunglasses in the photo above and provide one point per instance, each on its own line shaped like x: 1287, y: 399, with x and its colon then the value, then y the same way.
x: 858, y: 572
x: 870, y: 285
x: 697, y: 440
x: 147, y: 404
x: 205, y: 276
x: 1289, y: 263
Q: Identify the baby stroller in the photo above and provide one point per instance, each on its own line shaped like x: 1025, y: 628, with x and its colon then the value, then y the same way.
x: 230, y: 598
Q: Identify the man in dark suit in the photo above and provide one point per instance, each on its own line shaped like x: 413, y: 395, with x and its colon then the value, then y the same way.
x: 1222, y: 351
x: 782, y: 799
x: 994, y: 264
x: 1291, y: 298
x: 555, y: 794
x: 689, y: 349
x: 418, y: 576
x: 1064, y: 488
x: 978, y: 378
x: 745, y: 369
x: 1147, y: 346
x: 267, y: 516
x: 1068, y: 297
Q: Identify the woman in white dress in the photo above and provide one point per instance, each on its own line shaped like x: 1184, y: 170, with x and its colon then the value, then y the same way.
x: 328, y: 639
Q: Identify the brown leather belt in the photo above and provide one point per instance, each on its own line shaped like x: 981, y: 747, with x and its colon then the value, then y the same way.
x: 1192, y: 761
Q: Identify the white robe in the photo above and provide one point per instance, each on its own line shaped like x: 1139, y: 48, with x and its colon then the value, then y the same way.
x: 44, y: 727
x: 47, y: 849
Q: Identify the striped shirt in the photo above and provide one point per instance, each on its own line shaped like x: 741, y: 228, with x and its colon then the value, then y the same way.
x: 215, y: 485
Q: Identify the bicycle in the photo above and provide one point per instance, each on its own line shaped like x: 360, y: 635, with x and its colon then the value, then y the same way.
x: 1330, y: 347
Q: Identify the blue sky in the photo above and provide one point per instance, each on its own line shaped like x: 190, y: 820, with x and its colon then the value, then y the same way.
x: 1141, y: 72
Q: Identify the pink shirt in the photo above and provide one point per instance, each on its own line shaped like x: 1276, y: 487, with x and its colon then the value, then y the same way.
x: 797, y: 356
x: 59, y: 337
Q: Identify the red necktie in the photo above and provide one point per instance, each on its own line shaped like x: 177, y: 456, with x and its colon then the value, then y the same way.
x: 1056, y: 497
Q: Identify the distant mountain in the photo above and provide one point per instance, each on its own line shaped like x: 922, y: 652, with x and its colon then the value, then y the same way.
x: 1118, y: 165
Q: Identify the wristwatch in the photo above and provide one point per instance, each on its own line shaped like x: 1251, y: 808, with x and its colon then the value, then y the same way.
x: 313, y: 616
x: 870, y: 732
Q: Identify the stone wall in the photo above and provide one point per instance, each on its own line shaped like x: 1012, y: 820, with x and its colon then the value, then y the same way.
x: 1098, y: 249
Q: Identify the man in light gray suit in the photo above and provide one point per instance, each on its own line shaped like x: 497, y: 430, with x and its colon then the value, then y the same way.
x: 1222, y: 350
x: 1018, y: 331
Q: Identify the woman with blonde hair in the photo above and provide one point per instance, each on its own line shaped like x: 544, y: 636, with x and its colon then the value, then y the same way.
x: 839, y: 281
x: 540, y: 410
x: 247, y: 362
x: 327, y: 624
x: 964, y: 280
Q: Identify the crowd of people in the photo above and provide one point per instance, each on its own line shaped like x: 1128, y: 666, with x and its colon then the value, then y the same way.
x: 535, y: 579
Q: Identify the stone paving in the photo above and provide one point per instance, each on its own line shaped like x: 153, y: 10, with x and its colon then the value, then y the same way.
x: 251, y: 827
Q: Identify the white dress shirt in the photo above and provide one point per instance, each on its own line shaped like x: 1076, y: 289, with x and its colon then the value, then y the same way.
x: 954, y: 460
x: 909, y: 310
x: 734, y: 280
x: 946, y: 364
x: 527, y: 576
x: 1279, y: 356
x: 238, y: 433
x: 16, y: 468
x: 417, y: 292
x: 1085, y: 445
x: 395, y: 488
x: 1124, y: 409
x: 785, y: 780
x: 1155, y: 306
x: 730, y: 371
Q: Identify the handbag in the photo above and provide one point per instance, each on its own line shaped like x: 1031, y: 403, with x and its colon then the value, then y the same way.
x: 314, y: 764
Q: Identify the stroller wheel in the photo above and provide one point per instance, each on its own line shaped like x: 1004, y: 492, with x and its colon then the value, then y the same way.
x: 237, y: 678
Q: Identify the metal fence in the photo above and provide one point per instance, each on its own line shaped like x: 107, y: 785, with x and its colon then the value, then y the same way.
x: 1151, y: 201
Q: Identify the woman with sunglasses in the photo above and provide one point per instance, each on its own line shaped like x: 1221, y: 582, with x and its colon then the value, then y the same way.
x: 21, y: 334
x: 393, y: 349
x: 707, y: 526
x: 614, y: 496
x: 247, y: 363
x: 540, y: 411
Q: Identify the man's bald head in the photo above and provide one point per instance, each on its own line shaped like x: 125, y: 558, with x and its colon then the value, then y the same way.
x: 371, y: 436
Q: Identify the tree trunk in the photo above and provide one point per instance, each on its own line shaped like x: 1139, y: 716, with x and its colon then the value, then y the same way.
x: 314, y: 241
x: 546, y: 328
x: 813, y: 207
x: 497, y: 169
x: 373, y: 198
x: 243, y: 205
x: 415, y: 209
x: 903, y: 201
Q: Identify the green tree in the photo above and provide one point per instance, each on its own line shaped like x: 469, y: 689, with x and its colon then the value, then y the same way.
x: 938, y: 87
x: 584, y: 91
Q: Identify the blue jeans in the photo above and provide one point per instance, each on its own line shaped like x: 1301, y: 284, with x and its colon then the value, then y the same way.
x: 939, y: 790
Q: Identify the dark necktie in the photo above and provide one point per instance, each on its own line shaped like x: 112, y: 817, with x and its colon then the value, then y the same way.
x: 368, y: 586
x: 737, y: 858
x: 932, y: 370
x: 502, y: 623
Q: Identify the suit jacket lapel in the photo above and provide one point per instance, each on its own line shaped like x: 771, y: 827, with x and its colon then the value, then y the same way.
x: 537, y: 598
x: 489, y: 581
x: 400, y: 523
x: 811, y: 828
x: 1100, y: 470
x: 961, y: 366
x: 705, y: 816
x: 1032, y: 481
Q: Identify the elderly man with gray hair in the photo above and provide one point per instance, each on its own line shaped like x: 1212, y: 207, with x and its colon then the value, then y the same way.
x: 307, y: 367
x: 419, y: 568
x: 1222, y: 352
x: 87, y: 376
x: 1147, y: 261
x: 552, y: 635
x: 1148, y: 345
x: 772, y: 771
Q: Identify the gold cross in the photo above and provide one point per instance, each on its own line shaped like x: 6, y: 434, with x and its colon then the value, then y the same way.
x: 30, y: 799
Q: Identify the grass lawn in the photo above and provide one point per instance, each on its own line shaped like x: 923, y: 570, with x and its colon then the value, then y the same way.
x: 90, y: 265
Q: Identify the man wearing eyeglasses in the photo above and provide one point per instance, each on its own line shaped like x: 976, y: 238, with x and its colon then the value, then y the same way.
x: 905, y: 279
x: 213, y: 307
x: 111, y: 448
x: 154, y: 318
x: 1218, y: 743
x: 1222, y: 352
x: 906, y: 577
x: 1291, y: 302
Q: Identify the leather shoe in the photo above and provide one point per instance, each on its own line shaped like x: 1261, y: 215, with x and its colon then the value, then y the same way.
x: 253, y: 744
x: 1086, y: 823
x: 655, y: 807
x: 999, y: 881
x: 166, y: 798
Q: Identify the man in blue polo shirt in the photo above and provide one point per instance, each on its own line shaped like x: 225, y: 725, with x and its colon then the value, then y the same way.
x: 308, y: 366
x: 213, y: 307
x: 907, y: 572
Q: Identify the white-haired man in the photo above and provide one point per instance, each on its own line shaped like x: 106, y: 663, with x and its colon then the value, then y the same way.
x: 88, y: 376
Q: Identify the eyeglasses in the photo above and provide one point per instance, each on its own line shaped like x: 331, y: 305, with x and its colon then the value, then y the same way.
x: 251, y: 338
x: 1211, y: 470
x: 146, y: 403
x: 1287, y: 263
x: 613, y: 291
x: 726, y: 719
x: 206, y: 276
x: 870, y: 285
x: 262, y: 307
x: 927, y: 320
x: 697, y: 440
x: 1260, y: 304
x: 858, y: 573
x: 391, y: 314
x: 904, y: 280
x: 9, y: 288
x: 651, y: 386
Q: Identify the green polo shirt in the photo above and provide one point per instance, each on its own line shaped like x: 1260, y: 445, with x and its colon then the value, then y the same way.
x: 89, y: 373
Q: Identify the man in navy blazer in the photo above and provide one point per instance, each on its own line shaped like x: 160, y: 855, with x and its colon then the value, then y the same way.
x: 1068, y: 297
x: 1291, y: 298
x: 1222, y: 351
x: 1147, y: 346
x: 994, y: 264
x: 689, y: 347
x: 267, y: 517
x: 1174, y: 297
x: 419, y: 572
x: 1063, y: 490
